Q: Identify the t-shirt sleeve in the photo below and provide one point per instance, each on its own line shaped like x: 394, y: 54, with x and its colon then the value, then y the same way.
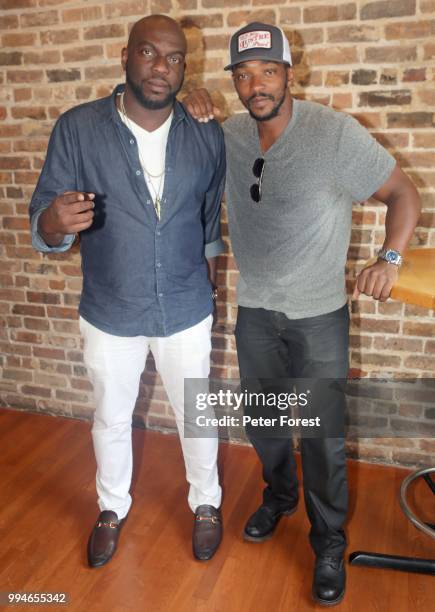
x: 362, y: 164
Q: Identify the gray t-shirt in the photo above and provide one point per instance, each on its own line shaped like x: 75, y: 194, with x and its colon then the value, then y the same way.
x: 291, y: 247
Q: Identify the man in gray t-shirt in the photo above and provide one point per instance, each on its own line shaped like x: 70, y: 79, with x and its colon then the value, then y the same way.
x: 293, y: 170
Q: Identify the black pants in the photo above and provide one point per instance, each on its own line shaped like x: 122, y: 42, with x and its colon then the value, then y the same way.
x: 271, y: 346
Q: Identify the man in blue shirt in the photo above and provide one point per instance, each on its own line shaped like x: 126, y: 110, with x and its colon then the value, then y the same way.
x: 141, y: 181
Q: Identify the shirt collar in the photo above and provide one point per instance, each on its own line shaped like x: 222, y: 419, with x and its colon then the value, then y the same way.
x: 111, y: 113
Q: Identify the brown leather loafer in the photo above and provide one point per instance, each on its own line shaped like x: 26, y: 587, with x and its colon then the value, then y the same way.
x: 104, y: 538
x: 207, y: 532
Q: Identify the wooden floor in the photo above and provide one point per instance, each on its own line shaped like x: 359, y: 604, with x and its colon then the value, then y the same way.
x: 48, y: 508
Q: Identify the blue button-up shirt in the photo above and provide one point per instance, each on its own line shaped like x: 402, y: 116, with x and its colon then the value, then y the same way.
x: 141, y: 275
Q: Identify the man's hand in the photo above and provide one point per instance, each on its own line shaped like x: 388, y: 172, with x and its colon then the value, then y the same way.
x: 376, y: 280
x: 200, y: 105
x: 69, y: 213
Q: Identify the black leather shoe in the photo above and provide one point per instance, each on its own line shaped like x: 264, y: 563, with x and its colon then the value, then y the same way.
x: 329, y: 580
x: 104, y: 538
x: 263, y: 522
x: 207, y: 532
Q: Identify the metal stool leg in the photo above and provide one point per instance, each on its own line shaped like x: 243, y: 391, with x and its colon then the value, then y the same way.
x: 397, y: 562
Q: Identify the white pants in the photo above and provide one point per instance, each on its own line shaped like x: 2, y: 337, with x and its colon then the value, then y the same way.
x: 115, y: 365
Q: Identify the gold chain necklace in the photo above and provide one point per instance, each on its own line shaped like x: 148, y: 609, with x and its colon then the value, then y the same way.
x: 157, y: 202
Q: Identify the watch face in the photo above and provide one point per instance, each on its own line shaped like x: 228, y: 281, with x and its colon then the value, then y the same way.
x: 391, y: 256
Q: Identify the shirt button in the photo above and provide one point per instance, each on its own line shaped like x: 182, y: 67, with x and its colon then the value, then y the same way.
x: 159, y: 265
x: 158, y: 233
x: 148, y: 201
x: 131, y: 141
x: 160, y: 294
x: 138, y: 173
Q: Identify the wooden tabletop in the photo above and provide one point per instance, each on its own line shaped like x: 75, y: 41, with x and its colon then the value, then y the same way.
x: 416, y: 282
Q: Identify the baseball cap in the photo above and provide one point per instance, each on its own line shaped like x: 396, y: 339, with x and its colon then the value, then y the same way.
x: 259, y: 41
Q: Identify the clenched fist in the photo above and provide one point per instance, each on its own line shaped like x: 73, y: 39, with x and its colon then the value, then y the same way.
x: 200, y: 105
x: 376, y: 280
x: 69, y: 213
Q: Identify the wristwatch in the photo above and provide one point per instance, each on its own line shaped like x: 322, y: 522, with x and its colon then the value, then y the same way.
x: 390, y: 256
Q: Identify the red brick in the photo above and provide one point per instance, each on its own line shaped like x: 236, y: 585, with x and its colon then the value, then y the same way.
x: 82, y: 53
x: 14, y: 58
x: 43, y: 298
x: 332, y: 55
x: 89, y: 13
x: 65, y: 327
x: 58, y: 312
x: 18, y: 402
x: 80, y: 384
x: 21, y: 39
x: 420, y: 362
x: 8, y: 22
x: 391, y: 54
x: 376, y: 325
x: 419, y: 329
x: 16, y: 4
x: 37, y: 324
x: 22, y: 95
x: 52, y: 381
x: 24, y: 76
x: 71, y: 396
x: 341, y: 12
x: 378, y: 359
x: 352, y: 33
x: 41, y: 57
x: 16, y: 349
x: 387, y: 8
x: 48, y: 353
x: 37, y: 391
x: 60, y: 75
x: 410, y: 29
x: 44, y: 18
x: 20, y: 375
x: 290, y: 16
x: 13, y: 163
x: 104, y: 31
x: 103, y: 72
x: 122, y: 9
x: 397, y: 343
x: 411, y: 120
x: 240, y: 18
x: 56, y: 37
x: 30, y: 310
x: 29, y: 112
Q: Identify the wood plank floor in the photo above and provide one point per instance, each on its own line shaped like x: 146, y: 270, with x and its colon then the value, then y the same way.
x: 48, y: 508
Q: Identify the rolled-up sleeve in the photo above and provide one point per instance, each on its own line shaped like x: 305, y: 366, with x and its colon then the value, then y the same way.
x: 214, y: 244
x: 57, y: 176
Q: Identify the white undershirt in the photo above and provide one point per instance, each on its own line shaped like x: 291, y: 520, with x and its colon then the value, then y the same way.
x: 152, y: 152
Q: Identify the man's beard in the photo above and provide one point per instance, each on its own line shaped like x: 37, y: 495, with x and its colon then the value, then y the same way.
x: 147, y: 102
x: 275, y: 110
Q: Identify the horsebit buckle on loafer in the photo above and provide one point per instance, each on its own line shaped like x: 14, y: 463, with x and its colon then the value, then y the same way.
x: 111, y: 525
x: 213, y: 519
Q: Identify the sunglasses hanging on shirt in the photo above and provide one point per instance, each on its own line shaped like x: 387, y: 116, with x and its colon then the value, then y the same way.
x: 258, y: 171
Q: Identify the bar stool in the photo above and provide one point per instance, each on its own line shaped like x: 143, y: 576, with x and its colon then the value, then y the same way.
x: 415, y: 285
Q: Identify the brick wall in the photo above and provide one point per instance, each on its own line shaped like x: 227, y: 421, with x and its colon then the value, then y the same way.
x: 373, y: 59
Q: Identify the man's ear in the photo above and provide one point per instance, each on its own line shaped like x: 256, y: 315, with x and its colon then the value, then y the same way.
x: 290, y: 75
x: 124, y: 57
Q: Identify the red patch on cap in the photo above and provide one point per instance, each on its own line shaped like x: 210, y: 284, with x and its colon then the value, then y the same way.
x: 260, y: 39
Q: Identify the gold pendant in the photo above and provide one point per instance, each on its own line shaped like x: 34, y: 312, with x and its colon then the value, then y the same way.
x: 157, y: 206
